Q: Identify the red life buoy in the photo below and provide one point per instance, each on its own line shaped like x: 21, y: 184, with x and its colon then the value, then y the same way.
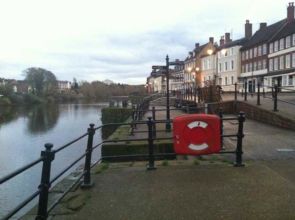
x: 196, y: 134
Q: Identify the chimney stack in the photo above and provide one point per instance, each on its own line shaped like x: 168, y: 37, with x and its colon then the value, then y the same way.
x: 211, y: 40
x: 197, y: 45
x: 248, y: 29
x: 221, y: 42
x: 290, y: 12
x: 227, y: 38
x: 262, y: 25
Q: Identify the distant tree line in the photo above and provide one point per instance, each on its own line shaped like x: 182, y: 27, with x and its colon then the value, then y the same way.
x: 44, y: 88
x: 101, y: 91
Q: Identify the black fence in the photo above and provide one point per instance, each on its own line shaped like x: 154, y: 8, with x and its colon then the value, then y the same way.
x: 270, y: 92
x: 84, y: 179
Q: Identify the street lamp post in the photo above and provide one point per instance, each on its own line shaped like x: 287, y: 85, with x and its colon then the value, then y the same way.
x: 168, y: 124
x: 165, y: 69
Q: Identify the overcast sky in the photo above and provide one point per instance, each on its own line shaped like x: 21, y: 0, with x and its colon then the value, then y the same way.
x: 117, y: 39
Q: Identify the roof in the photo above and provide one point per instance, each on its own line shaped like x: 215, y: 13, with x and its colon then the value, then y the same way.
x: 265, y: 34
x: 286, y: 30
x: 196, y: 51
x: 240, y: 42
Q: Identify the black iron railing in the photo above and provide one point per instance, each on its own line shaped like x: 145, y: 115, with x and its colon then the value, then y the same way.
x: 48, y: 155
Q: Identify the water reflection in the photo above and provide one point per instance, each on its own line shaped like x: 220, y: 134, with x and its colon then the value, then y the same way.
x: 7, y: 114
x: 42, y: 118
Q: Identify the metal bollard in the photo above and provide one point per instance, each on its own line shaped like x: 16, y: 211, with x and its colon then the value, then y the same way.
x: 154, y: 124
x: 275, y: 99
x: 236, y: 91
x: 48, y: 157
x: 240, y: 136
x: 151, y: 164
x: 87, y: 177
x: 245, y: 97
x: 220, y: 113
x: 258, y: 94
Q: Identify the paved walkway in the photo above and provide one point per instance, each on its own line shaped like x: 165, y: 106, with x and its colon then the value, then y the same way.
x: 205, y: 188
x: 285, y: 109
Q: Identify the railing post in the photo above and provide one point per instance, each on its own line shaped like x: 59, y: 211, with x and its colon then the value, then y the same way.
x: 245, y: 97
x: 275, y: 99
x: 236, y: 91
x: 154, y: 119
x: 240, y: 136
x: 133, y: 119
x: 263, y: 92
x: 195, y: 94
x: 221, y: 126
x: 151, y: 164
x: 199, y: 94
x: 87, y: 177
x: 258, y: 94
x: 48, y: 157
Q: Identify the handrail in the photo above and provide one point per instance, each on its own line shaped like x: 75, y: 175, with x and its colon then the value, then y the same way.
x: 20, y: 170
x: 47, y: 156
x: 71, y: 142
x: 22, y: 204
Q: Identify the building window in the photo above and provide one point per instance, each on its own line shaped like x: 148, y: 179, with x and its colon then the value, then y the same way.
x: 255, y: 66
x: 232, y: 80
x: 247, y: 54
x: 226, y: 80
x: 276, y: 45
x: 232, y: 64
x: 219, y: 67
x: 250, y: 67
x: 285, y: 78
x: 288, y: 41
x: 264, y: 64
x: 259, y: 50
x: 293, y: 41
x: 282, y: 44
x: 293, y: 59
x: 271, y: 48
x: 276, y: 63
x: 270, y: 65
x: 225, y: 67
x: 282, y: 64
x: 290, y: 80
x: 264, y: 49
x: 251, y: 52
x: 288, y: 60
x: 255, y: 52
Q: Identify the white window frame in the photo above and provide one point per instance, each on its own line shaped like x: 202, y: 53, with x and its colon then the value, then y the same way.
x: 288, y: 61
x: 270, y: 65
x: 276, y: 63
x: 288, y: 41
x: 276, y: 46
x: 255, y: 52
x: 282, y: 63
x: 282, y: 44
x: 293, y: 59
x: 271, y: 48
x: 259, y: 50
x: 264, y: 49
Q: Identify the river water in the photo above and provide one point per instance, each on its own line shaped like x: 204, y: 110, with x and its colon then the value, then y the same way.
x: 23, y: 133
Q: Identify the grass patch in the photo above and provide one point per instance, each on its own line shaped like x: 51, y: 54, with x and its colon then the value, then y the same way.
x: 101, y: 167
x: 196, y: 161
x: 165, y: 163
